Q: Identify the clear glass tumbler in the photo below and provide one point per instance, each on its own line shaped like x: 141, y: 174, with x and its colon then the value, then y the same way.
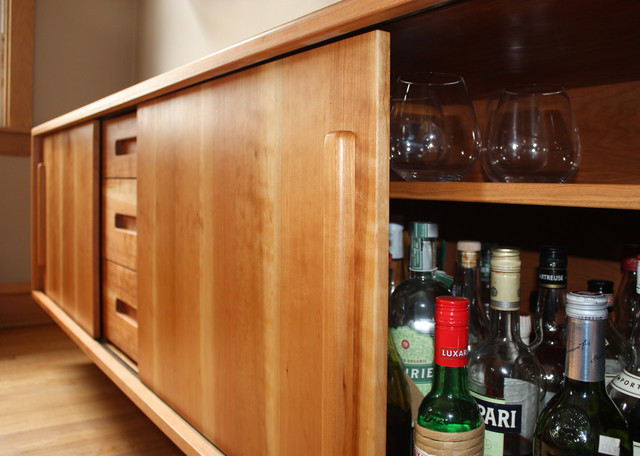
x: 532, y: 136
x: 434, y: 129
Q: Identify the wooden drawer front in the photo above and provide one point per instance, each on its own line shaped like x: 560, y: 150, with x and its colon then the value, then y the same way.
x: 119, y: 157
x: 119, y: 235
x: 120, y: 308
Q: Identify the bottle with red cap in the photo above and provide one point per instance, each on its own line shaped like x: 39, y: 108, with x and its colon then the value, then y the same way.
x: 449, y: 420
x: 626, y: 303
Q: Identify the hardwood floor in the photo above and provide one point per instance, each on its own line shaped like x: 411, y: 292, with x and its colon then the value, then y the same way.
x: 55, y: 401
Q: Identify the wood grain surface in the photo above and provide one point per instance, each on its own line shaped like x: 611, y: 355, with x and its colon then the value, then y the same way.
x: 71, y: 222
x: 56, y: 402
x: 245, y: 326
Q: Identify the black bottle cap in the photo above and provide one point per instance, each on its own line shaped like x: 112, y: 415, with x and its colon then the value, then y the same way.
x: 600, y: 286
x: 553, y: 256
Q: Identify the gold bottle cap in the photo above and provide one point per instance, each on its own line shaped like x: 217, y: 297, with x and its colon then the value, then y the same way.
x: 505, y: 259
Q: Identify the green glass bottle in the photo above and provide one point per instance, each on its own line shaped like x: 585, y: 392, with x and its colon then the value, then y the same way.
x: 449, y: 420
x: 581, y: 419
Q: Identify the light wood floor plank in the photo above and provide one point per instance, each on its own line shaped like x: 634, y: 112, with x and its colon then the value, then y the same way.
x: 55, y: 401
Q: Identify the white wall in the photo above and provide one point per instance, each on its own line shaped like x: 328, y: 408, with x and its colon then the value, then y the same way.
x: 87, y: 49
x: 171, y: 33
x: 84, y: 50
x: 14, y: 220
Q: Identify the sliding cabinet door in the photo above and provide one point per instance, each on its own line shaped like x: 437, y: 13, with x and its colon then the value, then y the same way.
x: 263, y: 252
x: 67, y: 221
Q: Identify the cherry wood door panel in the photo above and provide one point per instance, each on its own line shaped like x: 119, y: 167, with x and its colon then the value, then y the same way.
x: 262, y: 252
x: 70, y: 208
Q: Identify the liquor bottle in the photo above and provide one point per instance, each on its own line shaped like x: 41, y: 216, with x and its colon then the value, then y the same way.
x: 449, y: 420
x: 399, y: 418
x: 467, y: 284
x: 581, y: 419
x: 440, y: 245
x: 485, y: 275
x: 549, y: 342
x: 625, y: 306
x: 412, y: 313
x: 624, y: 390
x: 504, y: 376
x: 396, y: 250
x: 616, y: 347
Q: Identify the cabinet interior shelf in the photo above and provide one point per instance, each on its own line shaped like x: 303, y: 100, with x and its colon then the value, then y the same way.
x: 611, y: 196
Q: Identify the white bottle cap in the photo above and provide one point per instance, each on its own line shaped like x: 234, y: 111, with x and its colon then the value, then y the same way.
x: 432, y: 230
x: 469, y: 246
x: 395, y: 241
x: 586, y: 305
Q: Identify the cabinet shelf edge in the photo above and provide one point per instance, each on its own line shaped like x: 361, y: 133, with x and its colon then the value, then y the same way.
x: 604, y: 196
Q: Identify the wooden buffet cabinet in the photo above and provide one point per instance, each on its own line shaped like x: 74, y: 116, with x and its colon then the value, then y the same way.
x: 216, y: 237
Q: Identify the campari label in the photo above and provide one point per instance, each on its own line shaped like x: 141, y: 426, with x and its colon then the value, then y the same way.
x: 515, y: 414
x: 416, y: 350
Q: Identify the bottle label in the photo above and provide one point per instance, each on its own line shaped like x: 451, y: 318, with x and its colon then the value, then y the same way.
x: 416, y: 350
x: 452, y: 349
x: 609, y: 445
x: 585, y: 350
x: 627, y: 383
x: 516, y: 414
x: 505, y: 290
x: 552, y: 278
x: 422, y: 255
x: 433, y: 443
x: 612, y: 367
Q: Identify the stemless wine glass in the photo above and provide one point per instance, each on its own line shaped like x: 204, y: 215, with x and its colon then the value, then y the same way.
x: 434, y: 130
x: 532, y: 136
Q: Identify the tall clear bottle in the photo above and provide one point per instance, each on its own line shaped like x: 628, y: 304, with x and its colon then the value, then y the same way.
x: 624, y: 390
x: 626, y: 303
x: 467, y: 284
x: 616, y: 348
x: 504, y: 376
x: 485, y: 275
x: 449, y: 420
x: 412, y: 313
x: 549, y: 342
x: 582, y: 420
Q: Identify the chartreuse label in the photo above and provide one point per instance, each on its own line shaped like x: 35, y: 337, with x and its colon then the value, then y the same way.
x: 416, y: 350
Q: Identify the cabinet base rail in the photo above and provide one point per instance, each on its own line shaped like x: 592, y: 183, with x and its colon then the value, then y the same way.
x: 170, y: 423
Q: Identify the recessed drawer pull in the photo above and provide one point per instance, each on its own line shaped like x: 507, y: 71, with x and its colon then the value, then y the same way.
x: 126, y: 222
x: 126, y: 146
x: 126, y: 311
